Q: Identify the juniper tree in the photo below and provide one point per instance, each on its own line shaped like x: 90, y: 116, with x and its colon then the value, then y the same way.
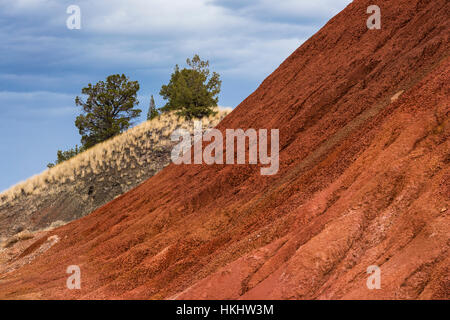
x: 152, y: 111
x: 192, y: 92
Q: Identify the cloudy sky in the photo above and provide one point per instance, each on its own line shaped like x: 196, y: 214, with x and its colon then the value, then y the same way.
x: 44, y: 65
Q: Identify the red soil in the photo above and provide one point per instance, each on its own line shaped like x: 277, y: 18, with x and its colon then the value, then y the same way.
x: 363, y: 181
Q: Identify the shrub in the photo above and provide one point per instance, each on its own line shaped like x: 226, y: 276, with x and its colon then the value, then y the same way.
x: 108, y: 109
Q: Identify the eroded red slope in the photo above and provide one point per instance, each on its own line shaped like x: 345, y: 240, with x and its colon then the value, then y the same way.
x: 363, y: 180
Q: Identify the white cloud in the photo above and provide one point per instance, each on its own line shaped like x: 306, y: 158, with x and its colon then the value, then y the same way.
x: 158, y: 17
x: 243, y: 39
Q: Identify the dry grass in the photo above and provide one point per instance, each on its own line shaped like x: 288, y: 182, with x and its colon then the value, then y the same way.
x: 116, y: 152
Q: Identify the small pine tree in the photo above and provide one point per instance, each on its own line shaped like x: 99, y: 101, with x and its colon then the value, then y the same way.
x: 152, y: 111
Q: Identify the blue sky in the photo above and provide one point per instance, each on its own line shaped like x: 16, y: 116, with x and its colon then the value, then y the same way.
x: 44, y: 65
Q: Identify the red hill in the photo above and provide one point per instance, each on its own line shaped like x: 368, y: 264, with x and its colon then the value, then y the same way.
x: 364, y: 180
